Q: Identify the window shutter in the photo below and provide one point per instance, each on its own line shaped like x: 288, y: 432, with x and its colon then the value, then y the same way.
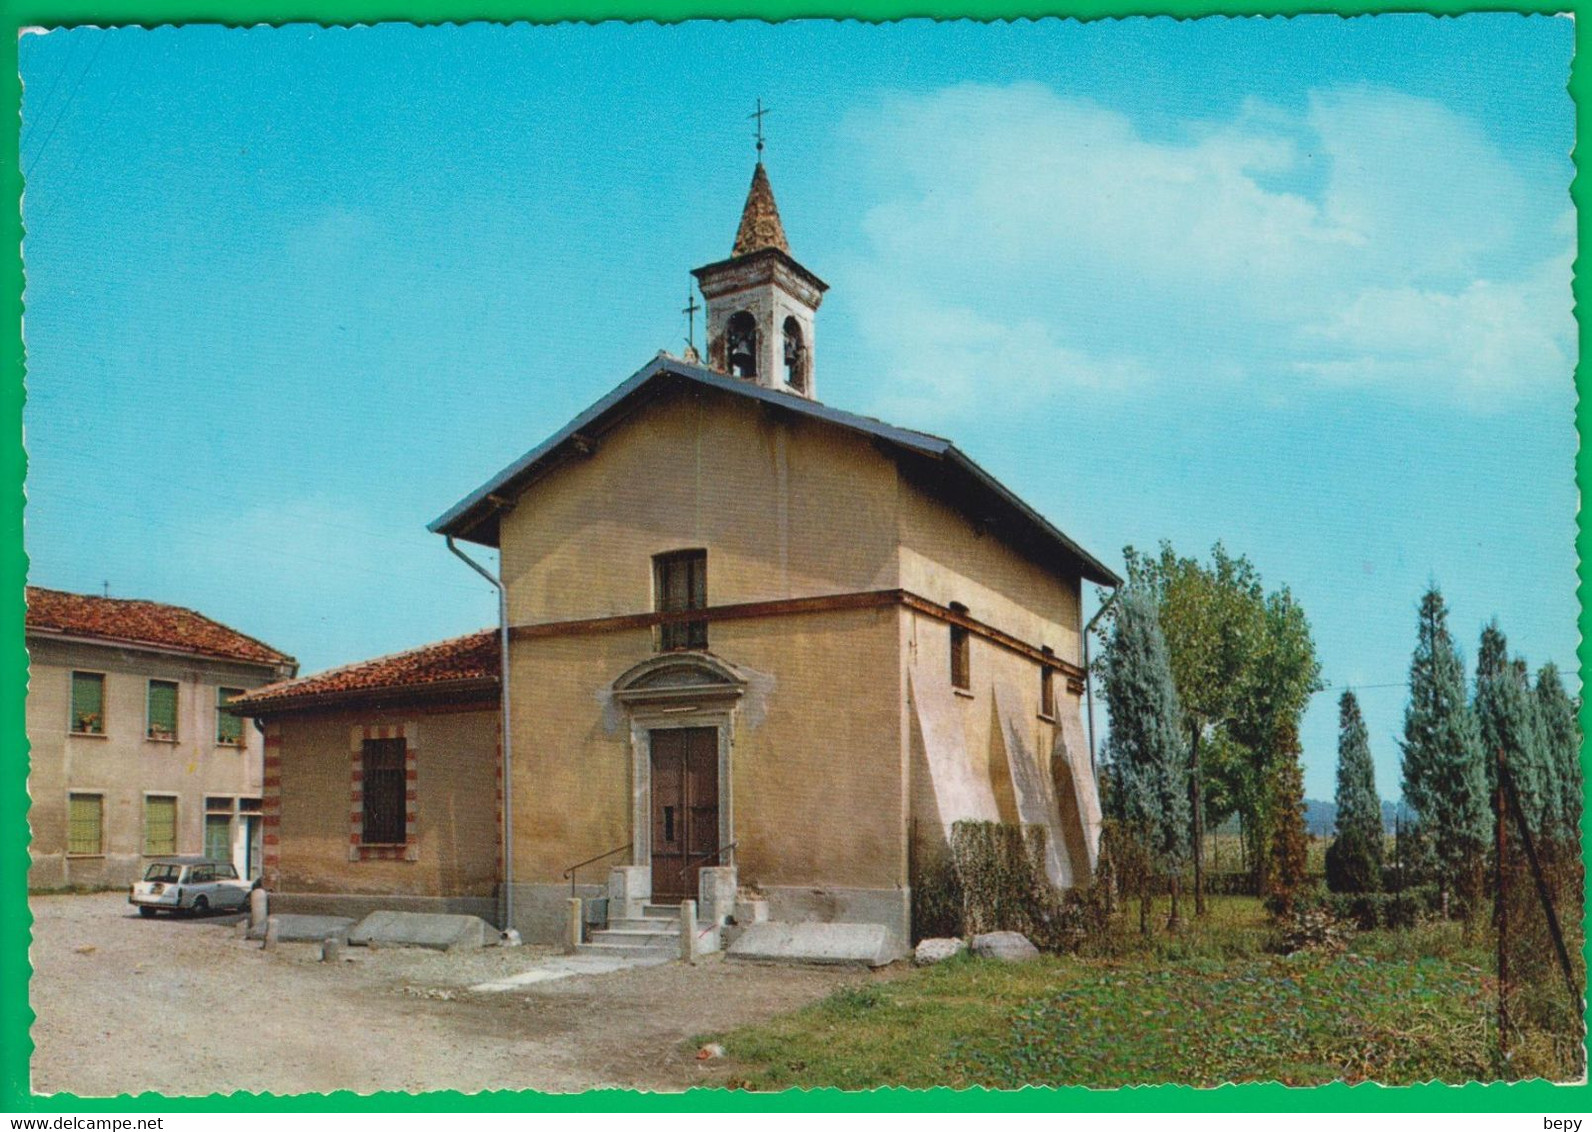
x: 218, y: 837
x: 88, y: 703
x: 162, y: 709
x: 160, y: 827
x: 229, y: 728
x: 83, y: 824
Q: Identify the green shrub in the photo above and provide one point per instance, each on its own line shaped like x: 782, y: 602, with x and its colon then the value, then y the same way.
x: 1351, y: 863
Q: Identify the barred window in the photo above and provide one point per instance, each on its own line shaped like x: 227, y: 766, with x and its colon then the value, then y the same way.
x: 384, y: 791
x: 961, y: 652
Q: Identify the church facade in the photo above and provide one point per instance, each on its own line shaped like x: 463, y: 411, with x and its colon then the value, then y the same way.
x: 746, y: 630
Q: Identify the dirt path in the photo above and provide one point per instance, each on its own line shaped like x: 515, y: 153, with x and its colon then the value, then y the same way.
x: 186, y: 1007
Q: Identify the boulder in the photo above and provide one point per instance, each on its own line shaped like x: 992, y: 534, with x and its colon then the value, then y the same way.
x: 1008, y: 947
x: 937, y: 951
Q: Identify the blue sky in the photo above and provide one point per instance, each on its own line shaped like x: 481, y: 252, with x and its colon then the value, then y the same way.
x: 1299, y: 285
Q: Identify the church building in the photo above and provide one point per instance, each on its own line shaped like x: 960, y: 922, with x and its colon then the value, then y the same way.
x: 752, y: 639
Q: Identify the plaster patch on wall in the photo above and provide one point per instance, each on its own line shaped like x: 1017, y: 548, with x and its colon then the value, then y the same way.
x: 1036, y: 799
x: 1073, y: 748
x: 959, y: 793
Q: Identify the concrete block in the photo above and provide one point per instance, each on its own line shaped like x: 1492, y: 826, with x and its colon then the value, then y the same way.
x: 751, y: 911
x: 574, y: 927
x: 717, y: 888
x: 1009, y: 947
x: 629, y: 890
x: 294, y: 928
x: 937, y: 951
x: 869, y: 945
x: 438, y: 932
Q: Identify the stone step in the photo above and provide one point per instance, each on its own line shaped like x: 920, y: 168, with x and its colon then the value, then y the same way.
x: 665, y: 911
x: 637, y: 936
x: 645, y: 923
x: 631, y: 950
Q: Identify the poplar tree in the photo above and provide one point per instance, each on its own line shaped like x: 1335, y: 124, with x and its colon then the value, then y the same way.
x: 1445, y: 782
x: 1354, y: 859
x: 1145, y: 752
x: 1560, y: 732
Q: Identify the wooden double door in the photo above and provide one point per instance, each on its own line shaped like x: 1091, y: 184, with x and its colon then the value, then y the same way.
x: 685, y: 809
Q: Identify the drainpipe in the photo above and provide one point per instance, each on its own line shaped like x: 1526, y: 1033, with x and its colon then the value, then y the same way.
x: 1088, y: 673
x: 503, y: 712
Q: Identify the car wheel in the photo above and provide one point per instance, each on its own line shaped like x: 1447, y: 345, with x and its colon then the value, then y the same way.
x: 201, y: 906
x: 147, y: 913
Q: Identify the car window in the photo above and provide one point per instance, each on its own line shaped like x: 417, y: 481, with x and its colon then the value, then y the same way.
x: 226, y: 872
x: 201, y: 874
x: 161, y: 872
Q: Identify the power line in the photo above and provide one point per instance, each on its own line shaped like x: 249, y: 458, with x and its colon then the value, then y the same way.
x: 66, y: 107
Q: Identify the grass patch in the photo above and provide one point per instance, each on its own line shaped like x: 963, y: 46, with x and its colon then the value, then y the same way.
x: 1203, y: 1007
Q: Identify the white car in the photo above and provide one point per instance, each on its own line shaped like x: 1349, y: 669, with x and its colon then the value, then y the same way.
x: 189, y: 884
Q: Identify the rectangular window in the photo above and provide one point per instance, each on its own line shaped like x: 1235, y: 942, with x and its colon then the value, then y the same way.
x: 162, y: 710
x: 1047, y: 687
x: 229, y: 727
x: 85, y: 813
x: 160, y: 826
x: 961, y: 652
x: 218, y: 837
x: 88, y: 703
x: 384, y: 789
x: 680, y: 582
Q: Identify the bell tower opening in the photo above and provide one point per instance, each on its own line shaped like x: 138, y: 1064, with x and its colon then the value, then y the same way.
x: 761, y: 303
x: 740, y: 336
x: 795, y: 357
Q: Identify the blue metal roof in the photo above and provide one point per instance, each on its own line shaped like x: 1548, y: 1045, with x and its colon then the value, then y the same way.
x: 473, y: 518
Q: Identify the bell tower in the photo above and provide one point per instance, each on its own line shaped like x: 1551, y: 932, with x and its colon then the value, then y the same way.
x: 761, y: 302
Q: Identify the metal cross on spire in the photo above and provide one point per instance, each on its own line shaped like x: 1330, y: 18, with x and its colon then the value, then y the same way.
x: 689, y: 310
x: 758, y: 115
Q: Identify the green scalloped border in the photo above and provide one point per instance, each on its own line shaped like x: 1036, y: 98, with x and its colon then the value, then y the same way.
x: 15, y: 1015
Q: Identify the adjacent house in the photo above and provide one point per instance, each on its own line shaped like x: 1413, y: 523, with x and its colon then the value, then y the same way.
x: 748, y: 631
x: 131, y: 755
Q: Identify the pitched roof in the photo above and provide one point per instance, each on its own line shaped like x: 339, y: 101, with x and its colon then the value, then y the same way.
x: 467, y: 663
x: 760, y: 225
x: 145, y: 624
x: 932, y: 461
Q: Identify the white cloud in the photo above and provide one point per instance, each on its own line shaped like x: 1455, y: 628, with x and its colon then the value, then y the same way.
x: 1369, y: 237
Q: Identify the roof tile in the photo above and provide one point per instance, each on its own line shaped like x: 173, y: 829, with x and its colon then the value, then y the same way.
x: 148, y: 623
x: 474, y: 656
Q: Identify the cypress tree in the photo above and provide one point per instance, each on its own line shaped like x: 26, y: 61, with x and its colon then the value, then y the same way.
x: 1445, y: 782
x: 1354, y: 860
x: 1560, y: 733
x: 1507, y: 718
x: 1290, y: 842
x: 1145, y: 751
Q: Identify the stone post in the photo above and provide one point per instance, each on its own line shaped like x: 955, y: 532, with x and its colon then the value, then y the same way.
x: 716, y: 889
x: 629, y: 891
x: 331, y: 949
x: 271, y: 929
x: 688, y: 931
x: 259, y: 904
x: 573, y: 930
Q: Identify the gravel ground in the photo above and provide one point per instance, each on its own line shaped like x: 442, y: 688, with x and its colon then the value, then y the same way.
x: 186, y: 1007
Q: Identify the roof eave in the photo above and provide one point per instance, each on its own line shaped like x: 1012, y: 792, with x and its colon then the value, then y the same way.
x: 354, y: 697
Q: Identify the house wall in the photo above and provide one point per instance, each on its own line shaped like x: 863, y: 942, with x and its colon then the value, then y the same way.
x: 456, y: 813
x: 123, y: 765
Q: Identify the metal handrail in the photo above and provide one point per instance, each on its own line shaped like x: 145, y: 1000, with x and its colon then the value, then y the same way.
x: 730, y: 848
x: 569, y: 873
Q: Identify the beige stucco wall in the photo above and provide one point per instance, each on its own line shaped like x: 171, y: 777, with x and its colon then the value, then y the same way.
x: 123, y: 765
x: 815, y: 774
x: 455, y: 805
x: 788, y: 507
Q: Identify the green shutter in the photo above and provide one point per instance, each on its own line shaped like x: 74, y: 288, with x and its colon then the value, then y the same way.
x: 88, y: 703
x: 218, y: 837
x: 162, y: 709
x: 229, y: 727
x: 83, y: 824
x: 160, y: 827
